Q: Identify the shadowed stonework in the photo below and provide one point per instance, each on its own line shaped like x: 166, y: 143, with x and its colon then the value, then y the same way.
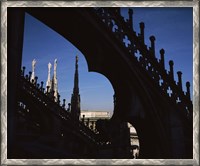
x: 146, y: 94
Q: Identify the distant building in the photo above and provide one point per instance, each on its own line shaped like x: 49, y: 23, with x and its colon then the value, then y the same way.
x: 96, y: 114
x: 134, y: 141
x: 134, y: 137
x: 89, y: 118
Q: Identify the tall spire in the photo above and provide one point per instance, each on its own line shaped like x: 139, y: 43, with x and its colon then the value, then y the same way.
x: 76, y: 88
x: 33, y: 70
x: 75, y: 99
x: 48, y: 83
x: 54, y: 82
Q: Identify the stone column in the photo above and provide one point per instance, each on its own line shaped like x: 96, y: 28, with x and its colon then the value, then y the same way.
x: 15, y: 31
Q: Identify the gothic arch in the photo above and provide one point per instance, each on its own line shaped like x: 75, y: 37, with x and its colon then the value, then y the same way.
x: 138, y: 101
x: 135, y: 102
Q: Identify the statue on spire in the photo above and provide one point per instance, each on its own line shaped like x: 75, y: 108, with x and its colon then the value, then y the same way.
x: 48, y: 83
x: 75, y: 99
x: 55, y: 67
x: 33, y: 70
x: 54, y: 85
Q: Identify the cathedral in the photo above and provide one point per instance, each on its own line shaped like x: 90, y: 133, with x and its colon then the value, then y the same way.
x: 39, y: 125
x: 52, y: 87
x: 97, y: 123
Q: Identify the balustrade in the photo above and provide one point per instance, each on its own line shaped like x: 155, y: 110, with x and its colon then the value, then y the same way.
x: 37, y: 92
x: 148, y: 61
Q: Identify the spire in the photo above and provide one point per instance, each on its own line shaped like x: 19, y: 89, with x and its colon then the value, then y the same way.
x: 33, y: 70
x: 76, y: 88
x: 48, y: 83
x: 75, y: 99
x: 54, y: 82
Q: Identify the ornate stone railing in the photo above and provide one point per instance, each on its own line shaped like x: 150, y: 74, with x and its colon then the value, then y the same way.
x: 37, y: 92
x: 145, y: 57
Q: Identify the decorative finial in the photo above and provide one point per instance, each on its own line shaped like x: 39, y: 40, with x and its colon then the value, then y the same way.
x: 179, y: 73
x: 63, y: 105
x: 49, y: 66
x: 29, y: 76
x: 69, y: 107
x: 130, y: 12
x: 162, y: 51
x: 41, y: 87
x: 36, y: 78
x: 23, y: 70
x: 171, y: 64
x: 152, y: 39
x: 188, y: 89
x: 162, y: 60
x: 142, y: 26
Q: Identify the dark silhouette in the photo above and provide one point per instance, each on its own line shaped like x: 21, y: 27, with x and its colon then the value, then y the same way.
x: 146, y: 95
x: 75, y: 99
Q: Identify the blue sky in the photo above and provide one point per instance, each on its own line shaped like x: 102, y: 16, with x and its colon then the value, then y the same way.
x: 172, y: 28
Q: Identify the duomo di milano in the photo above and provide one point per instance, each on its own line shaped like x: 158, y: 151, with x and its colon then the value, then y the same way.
x: 51, y: 84
x: 147, y: 94
x: 91, y: 119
